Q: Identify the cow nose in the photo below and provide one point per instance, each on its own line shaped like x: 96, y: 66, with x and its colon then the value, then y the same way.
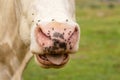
x: 58, y: 37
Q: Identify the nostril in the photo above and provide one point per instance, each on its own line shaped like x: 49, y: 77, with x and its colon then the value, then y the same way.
x: 40, y: 31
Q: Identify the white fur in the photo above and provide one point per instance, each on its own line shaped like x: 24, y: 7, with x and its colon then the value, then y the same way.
x: 24, y: 30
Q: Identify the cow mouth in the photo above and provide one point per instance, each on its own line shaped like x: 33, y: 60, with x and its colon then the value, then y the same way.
x: 52, y: 60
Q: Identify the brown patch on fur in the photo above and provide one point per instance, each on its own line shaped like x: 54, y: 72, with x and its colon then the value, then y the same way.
x: 6, y: 54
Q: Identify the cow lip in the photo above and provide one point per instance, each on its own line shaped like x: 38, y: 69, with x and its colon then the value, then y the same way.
x: 42, y: 59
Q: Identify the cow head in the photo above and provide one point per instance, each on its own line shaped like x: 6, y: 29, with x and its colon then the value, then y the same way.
x: 49, y: 27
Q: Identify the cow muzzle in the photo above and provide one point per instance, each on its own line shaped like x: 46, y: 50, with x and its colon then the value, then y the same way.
x: 57, y: 41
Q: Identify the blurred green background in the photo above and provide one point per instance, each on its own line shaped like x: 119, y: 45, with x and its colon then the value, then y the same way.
x: 99, y: 55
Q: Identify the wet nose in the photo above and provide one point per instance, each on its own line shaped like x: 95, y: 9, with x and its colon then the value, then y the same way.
x: 58, y: 31
x: 57, y: 37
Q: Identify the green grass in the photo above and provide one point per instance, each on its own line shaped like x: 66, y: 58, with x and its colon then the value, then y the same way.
x: 99, y: 55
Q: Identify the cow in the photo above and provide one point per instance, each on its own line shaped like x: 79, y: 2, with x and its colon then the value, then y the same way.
x: 45, y: 29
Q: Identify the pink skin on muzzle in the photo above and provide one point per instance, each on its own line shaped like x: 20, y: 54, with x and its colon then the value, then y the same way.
x: 56, y: 37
